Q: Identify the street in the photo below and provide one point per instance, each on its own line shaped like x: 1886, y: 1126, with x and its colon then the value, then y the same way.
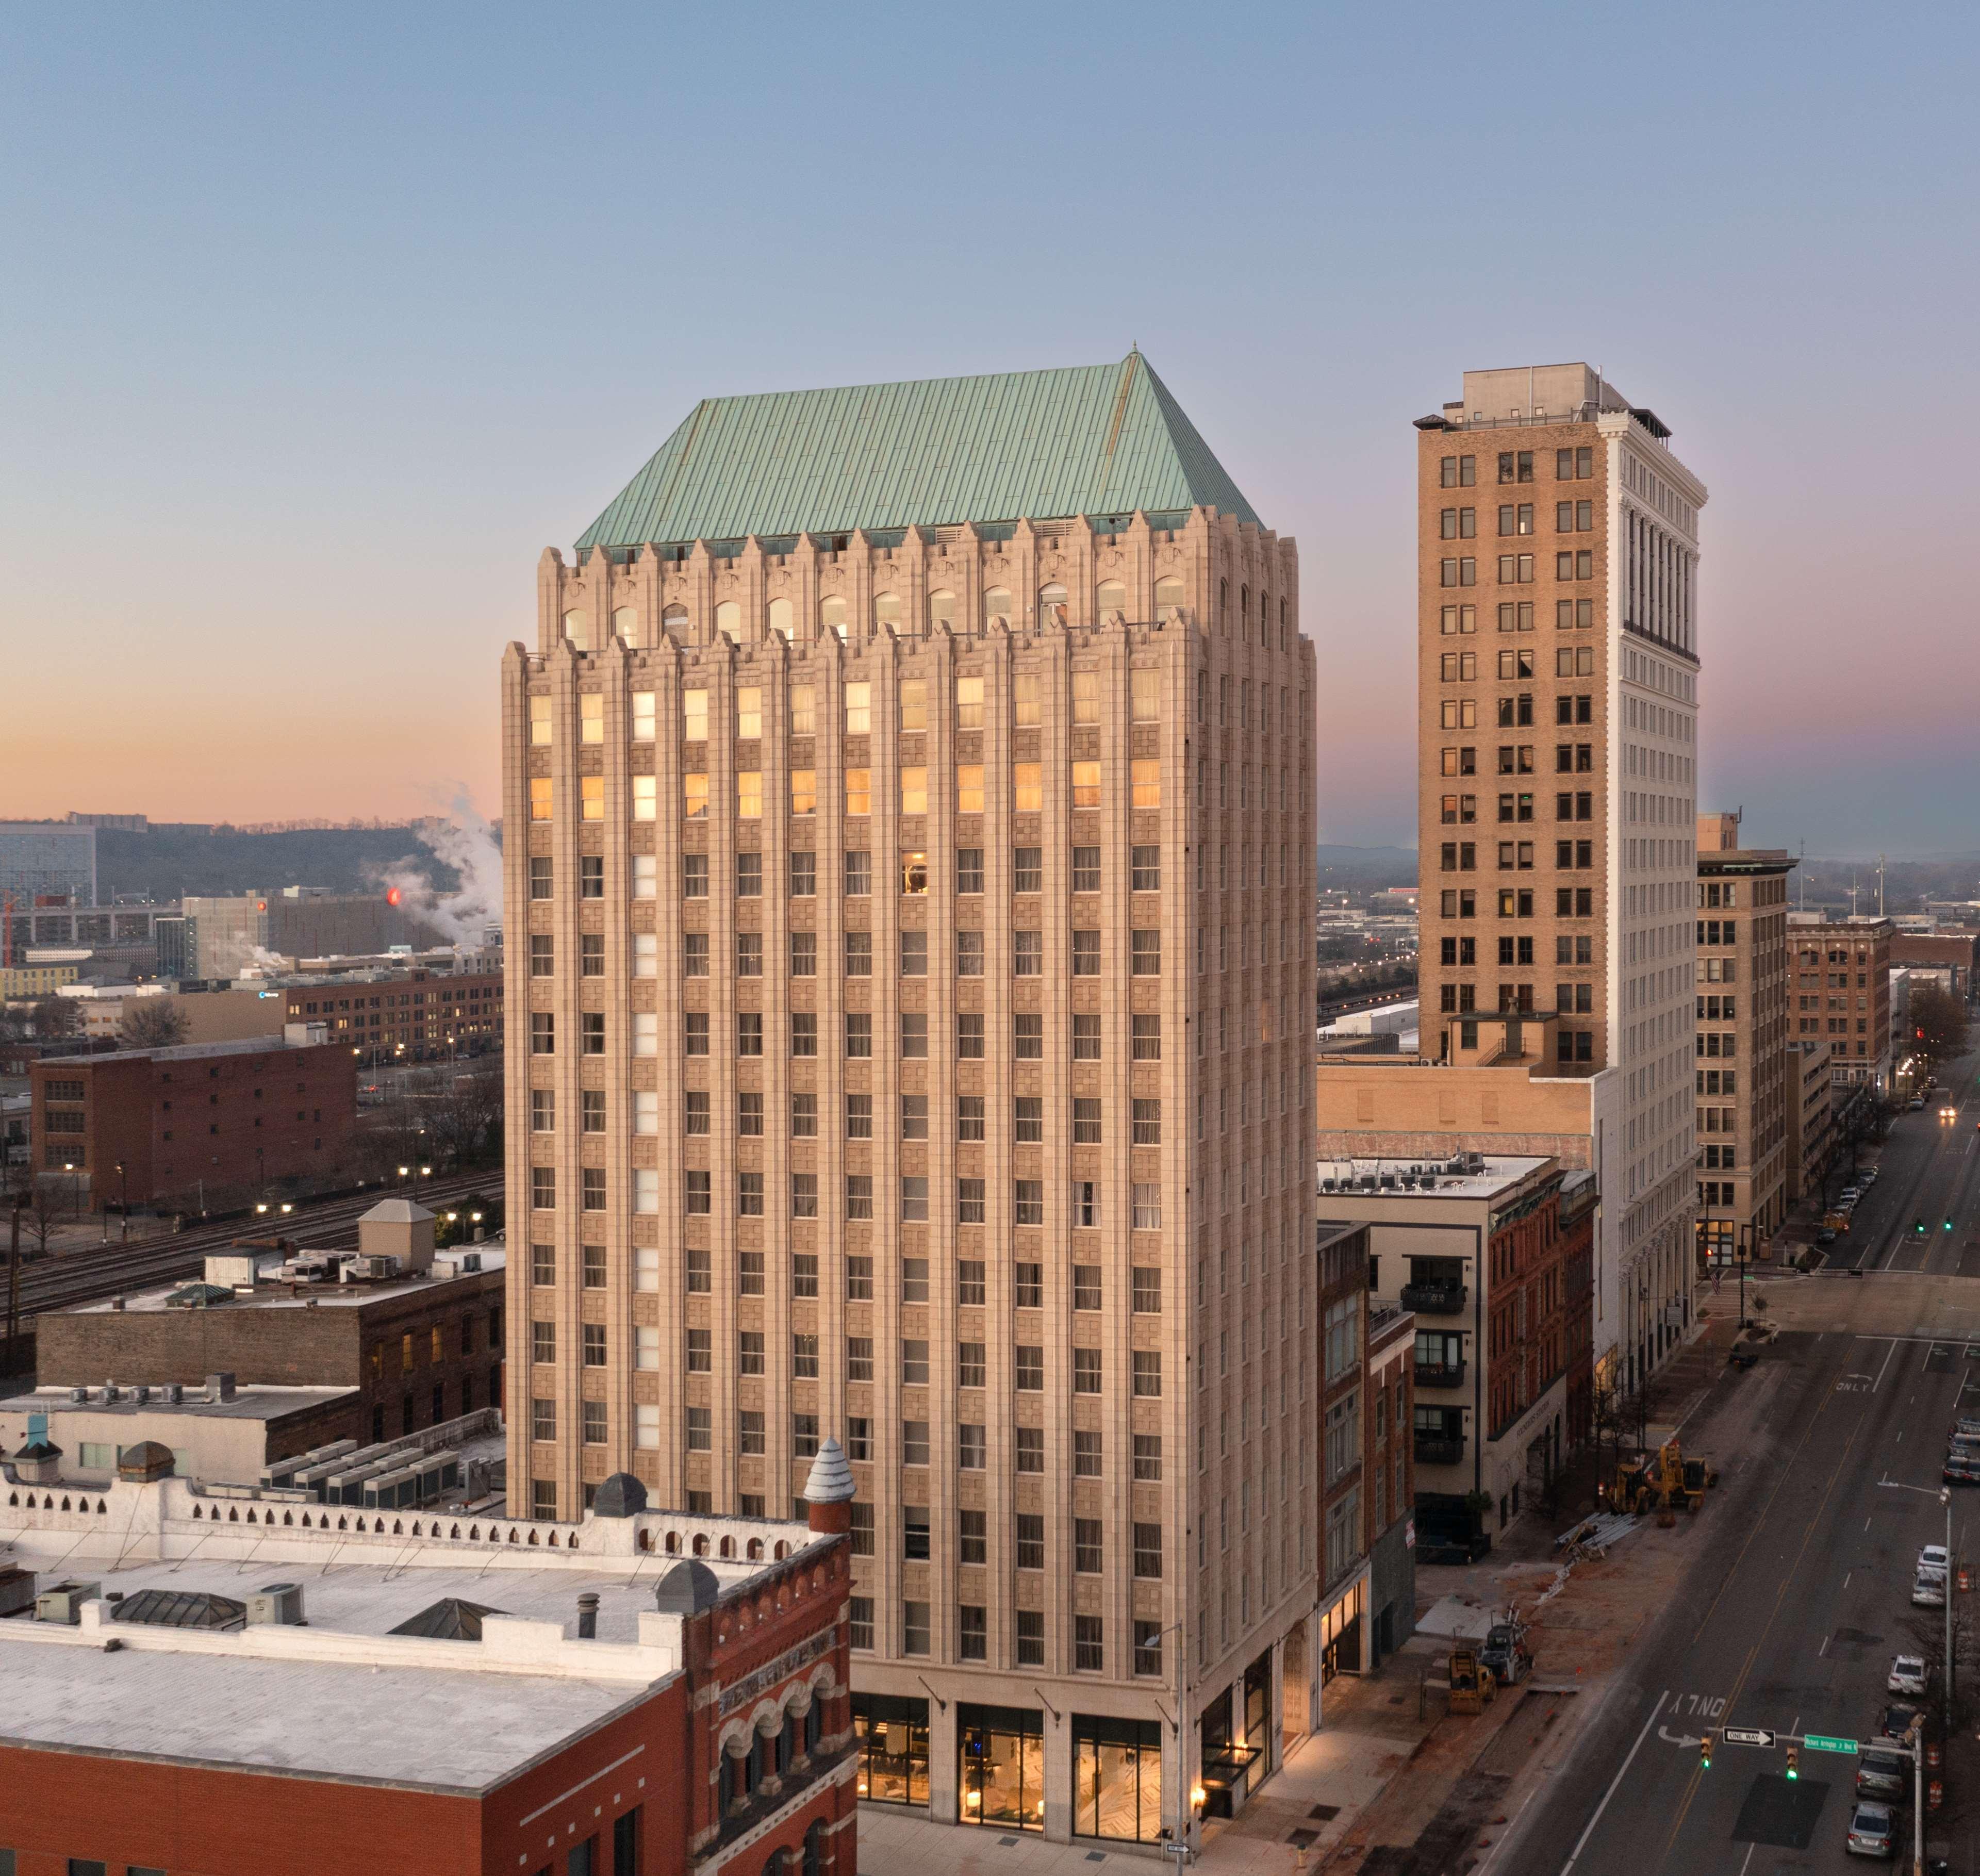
x: 1799, y: 1596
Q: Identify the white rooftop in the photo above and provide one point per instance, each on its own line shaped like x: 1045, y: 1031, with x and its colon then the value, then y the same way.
x: 1472, y: 1176
x: 273, y: 1294
x: 253, y: 1400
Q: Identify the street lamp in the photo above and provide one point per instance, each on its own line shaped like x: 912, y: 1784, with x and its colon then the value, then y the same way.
x: 124, y: 1200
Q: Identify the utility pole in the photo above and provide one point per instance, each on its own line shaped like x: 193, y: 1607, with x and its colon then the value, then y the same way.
x: 19, y: 1206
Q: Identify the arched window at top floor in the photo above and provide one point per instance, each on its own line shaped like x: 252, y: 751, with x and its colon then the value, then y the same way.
x: 997, y: 604
x: 887, y: 612
x: 1110, y: 596
x: 577, y: 629
x: 783, y: 620
x: 941, y: 605
x: 832, y: 618
x: 625, y: 624
x: 1169, y: 595
x: 1052, y: 608
x: 728, y: 621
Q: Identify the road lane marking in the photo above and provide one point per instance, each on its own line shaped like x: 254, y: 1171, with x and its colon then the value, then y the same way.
x: 1881, y: 1372
x: 1822, y: 1654
x: 1620, y: 1775
x: 1846, y: 1580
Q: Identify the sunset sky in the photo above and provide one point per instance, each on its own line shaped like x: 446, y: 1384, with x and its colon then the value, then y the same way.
x: 320, y: 324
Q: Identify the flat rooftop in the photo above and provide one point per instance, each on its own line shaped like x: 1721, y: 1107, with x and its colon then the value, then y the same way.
x: 1474, y: 1176
x: 452, y: 1704
x: 254, y: 1402
x: 269, y: 1295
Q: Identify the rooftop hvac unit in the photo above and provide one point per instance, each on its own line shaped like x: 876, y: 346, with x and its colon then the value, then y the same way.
x: 175, y: 1393
x: 468, y: 1262
x: 374, y: 1267
x: 16, y: 1589
x: 1328, y: 1185
x: 64, y: 1602
x: 1387, y: 1182
x: 1367, y: 1181
x: 281, y: 1604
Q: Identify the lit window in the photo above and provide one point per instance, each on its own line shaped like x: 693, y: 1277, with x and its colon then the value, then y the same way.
x: 749, y: 710
x: 914, y: 789
x: 1086, y: 784
x: 804, y: 791
x: 1028, y: 780
x: 858, y: 709
x: 694, y: 716
x: 969, y: 703
x: 969, y: 788
x: 750, y: 794
x: 694, y: 796
x: 1145, y: 772
x: 540, y: 798
x: 858, y: 791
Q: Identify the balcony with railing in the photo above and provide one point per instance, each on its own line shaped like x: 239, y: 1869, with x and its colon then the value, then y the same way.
x: 1439, y: 1374
x: 1435, y: 1299
x: 1439, y: 1448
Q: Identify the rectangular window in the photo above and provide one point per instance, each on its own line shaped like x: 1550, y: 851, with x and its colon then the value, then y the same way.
x: 1146, y: 863
x: 1028, y: 790
x: 858, y: 1195
x: 1086, y: 784
x: 1028, y: 1036
x: 1146, y: 1214
x: 969, y: 1117
x: 969, y: 869
x: 1148, y: 954
x: 1086, y: 1037
x: 1027, y: 953
x: 1145, y: 779
x: 1086, y: 1371
x: 969, y: 954
x: 1028, y: 1119
x: 1148, y: 1038
x: 1030, y: 1379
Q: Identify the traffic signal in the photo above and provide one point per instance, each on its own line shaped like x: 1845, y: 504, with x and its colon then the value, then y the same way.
x: 1705, y: 1753
x: 1918, y: 1224
x: 1948, y: 1224
x: 1794, y: 1762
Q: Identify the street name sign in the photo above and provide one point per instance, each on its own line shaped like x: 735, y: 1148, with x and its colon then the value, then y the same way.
x: 1819, y: 1742
x: 1746, y: 1736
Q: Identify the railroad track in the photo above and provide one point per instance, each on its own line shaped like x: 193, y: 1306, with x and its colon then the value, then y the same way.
x: 88, y: 1276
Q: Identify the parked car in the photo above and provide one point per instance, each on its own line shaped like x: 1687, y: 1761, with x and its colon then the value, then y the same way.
x: 1897, y: 1720
x: 1962, y: 1466
x: 1849, y: 1194
x: 1933, y: 1561
x: 1964, y: 1425
x: 1872, y: 1832
x: 1928, y: 1592
x: 1824, y: 1237
x: 1883, y: 1775
x: 1907, y: 1675
x: 1913, y: 1106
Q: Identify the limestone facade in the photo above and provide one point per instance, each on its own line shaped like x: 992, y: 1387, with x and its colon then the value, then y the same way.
x: 908, y: 939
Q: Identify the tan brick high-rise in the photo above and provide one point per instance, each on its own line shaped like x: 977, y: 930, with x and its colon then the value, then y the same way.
x: 1558, y: 699
x: 909, y: 881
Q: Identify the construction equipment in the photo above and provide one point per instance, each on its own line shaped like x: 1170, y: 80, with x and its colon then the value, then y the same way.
x: 1664, y: 1480
x: 1473, y: 1686
x: 1505, y: 1654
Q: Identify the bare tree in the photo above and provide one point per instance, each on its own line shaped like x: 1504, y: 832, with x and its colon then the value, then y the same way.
x: 55, y: 1017
x: 52, y: 1198
x: 1938, y: 1022
x: 152, y: 1022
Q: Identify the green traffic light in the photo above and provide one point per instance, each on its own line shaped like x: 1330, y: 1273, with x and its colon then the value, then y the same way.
x: 1948, y: 1224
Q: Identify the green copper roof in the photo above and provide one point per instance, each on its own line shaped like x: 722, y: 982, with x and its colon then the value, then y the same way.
x: 1102, y: 439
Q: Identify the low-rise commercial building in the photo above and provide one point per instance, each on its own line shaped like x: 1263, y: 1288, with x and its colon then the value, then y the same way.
x: 199, y: 1124
x: 1493, y: 1256
x: 464, y: 1694
x: 1742, y: 1085
x: 217, y: 1430
x: 22, y: 981
x: 420, y: 1342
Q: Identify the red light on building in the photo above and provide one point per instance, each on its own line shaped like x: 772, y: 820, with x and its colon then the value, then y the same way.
x: 391, y: 895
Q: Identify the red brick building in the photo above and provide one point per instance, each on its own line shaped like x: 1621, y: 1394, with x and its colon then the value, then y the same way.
x: 464, y: 1698
x: 210, y: 1121
x: 403, y: 1016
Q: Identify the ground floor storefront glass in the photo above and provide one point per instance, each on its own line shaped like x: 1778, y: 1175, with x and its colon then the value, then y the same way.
x: 1001, y: 1764
x: 1117, y: 1779
x: 892, y: 1736
x: 1341, y: 1632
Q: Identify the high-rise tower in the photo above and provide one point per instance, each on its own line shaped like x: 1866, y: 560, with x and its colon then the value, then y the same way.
x: 909, y: 882
x: 1557, y: 714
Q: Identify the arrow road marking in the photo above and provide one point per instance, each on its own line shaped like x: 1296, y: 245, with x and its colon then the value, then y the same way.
x: 1679, y: 1739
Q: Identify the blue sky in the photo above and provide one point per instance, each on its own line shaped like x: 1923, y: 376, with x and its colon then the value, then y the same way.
x: 320, y: 325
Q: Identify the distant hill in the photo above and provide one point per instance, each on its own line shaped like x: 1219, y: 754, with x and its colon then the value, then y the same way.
x: 1367, y: 866
x: 169, y: 862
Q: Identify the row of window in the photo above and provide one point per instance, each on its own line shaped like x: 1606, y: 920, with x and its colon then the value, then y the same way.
x: 1569, y: 518
x: 1027, y: 1035
x: 1084, y: 872
x: 1518, y: 569
x: 1462, y: 810
x: 973, y: 1370
x: 1517, y: 758
x: 1027, y: 1197
x: 1028, y: 950
x: 1569, y: 615
x: 1517, y: 857
x: 1570, y: 901
x: 1027, y: 791
x: 1567, y: 949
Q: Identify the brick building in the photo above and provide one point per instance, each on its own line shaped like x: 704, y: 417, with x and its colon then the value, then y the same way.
x: 1954, y: 952
x: 225, y: 1119
x: 1744, y: 1082
x: 1493, y: 1256
x: 419, y: 1348
x: 1812, y: 1116
x: 414, y: 1015
x: 1841, y: 993
x: 1342, y: 1485
x: 909, y: 893
x: 1390, y: 1471
x: 638, y: 1695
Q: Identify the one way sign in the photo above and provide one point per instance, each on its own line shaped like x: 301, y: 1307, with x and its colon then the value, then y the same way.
x: 1747, y: 1736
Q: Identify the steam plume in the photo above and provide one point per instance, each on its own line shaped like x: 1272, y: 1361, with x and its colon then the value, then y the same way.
x: 466, y: 843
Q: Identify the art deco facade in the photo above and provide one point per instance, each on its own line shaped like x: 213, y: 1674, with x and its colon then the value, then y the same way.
x: 1558, y: 698
x: 907, y: 923
x: 1745, y: 1080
